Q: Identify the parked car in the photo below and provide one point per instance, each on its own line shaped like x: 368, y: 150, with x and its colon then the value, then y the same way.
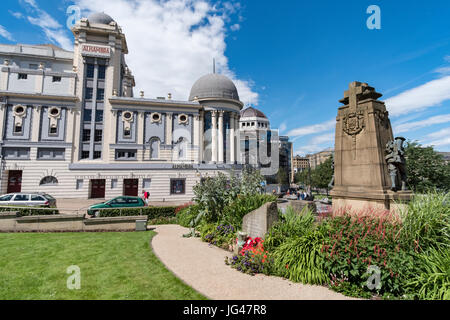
x: 118, y: 202
x: 22, y: 199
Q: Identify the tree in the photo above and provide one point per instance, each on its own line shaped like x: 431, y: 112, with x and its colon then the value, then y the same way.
x: 282, y: 176
x: 302, y: 177
x: 425, y: 168
x: 322, y: 174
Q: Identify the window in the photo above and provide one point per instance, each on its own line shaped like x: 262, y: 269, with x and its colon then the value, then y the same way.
x: 22, y: 76
x: 86, y: 135
x: 48, y: 181
x: 87, y: 115
x: 17, y: 129
x: 88, y: 93
x: 33, y: 66
x: 127, y: 133
x: 51, y: 153
x: 154, y: 148
x: 35, y: 197
x: 16, y: 153
x: 98, y: 115
x: 100, y: 94
x: 98, y: 135
x: 56, y: 79
x: 6, y: 198
x: 53, y: 130
x: 97, y: 154
x: 177, y: 186
x: 21, y: 197
x: 79, y: 184
x: 146, y: 184
x: 113, y: 183
x: 126, y: 154
x: 132, y: 200
x: 84, y: 154
x: 101, y: 71
x: 89, y: 70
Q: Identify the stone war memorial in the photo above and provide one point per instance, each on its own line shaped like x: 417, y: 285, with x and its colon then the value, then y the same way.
x: 369, y: 167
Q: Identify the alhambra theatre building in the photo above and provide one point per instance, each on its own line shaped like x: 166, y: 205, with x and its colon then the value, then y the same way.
x: 71, y: 126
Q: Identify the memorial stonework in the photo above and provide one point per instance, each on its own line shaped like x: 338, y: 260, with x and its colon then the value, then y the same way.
x: 361, y: 173
x: 258, y: 222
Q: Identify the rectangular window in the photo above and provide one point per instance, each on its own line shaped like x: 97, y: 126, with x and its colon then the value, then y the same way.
x: 86, y: 135
x: 84, y: 154
x: 89, y: 70
x: 33, y: 66
x: 98, y: 135
x: 50, y: 154
x: 22, y: 197
x: 53, y: 131
x: 97, y: 154
x: 126, y: 154
x: 17, y: 129
x: 79, y: 184
x: 146, y: 184
x: 101, y: 71
x: 87, y: 115
x: 113, y: 183
x: 22, y: 76
x: 56, y: 79
x: 100, y: 94
x: 127, y: 133
x: 16, y: 153
x: 88, y: 93
x: 177, y: 186
x: 98, y: 115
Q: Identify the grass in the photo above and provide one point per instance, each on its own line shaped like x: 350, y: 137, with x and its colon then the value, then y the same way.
x: 116, y: 265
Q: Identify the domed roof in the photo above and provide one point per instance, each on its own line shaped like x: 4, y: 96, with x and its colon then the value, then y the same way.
x: 251, y: 112
x: 100, y: 18
x: 214, y: 86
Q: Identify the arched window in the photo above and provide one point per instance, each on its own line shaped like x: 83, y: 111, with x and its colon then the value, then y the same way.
x: 48, y: 181
x: 154, y: 148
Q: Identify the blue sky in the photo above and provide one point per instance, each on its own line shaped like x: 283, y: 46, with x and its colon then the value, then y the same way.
x: 292, y: 59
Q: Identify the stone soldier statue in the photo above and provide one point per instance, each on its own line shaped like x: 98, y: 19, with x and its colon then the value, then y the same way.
x: 395, y: 158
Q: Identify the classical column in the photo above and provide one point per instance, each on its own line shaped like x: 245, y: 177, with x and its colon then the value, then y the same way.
x: 232, y: 138
x: 168, y: 129
x: 214, y: 136
x: 36, y: 125
x: 220, y: 136
x: 237, y: 146
x: 200, y: 136
x: 140, y: 127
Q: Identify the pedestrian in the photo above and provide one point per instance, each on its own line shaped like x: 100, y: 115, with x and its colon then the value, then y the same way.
x: 146, y: 196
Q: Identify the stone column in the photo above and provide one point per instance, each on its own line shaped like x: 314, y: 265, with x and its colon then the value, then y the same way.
x: 232, y: 138
x: 168, y: 129
x: 140, y: 128
x: 237, y: 138
x: 220, y: 136
x: 35, y: 125
x: 214, y: 136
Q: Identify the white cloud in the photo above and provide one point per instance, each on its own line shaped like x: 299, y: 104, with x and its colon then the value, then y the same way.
x: 439, y: 134
x: 312, y: 129
x: 438, y: 139
x: 17, y: 15
x: 443, y: 70
x: 408, y: 126
x: 430, y: 94
x: 328, y: 137
x: 172, y: 43
x: 283, y: 127
x: 316, y: 144
x: 53, y: 30
x: 5, y: 34
x: 235, y: 27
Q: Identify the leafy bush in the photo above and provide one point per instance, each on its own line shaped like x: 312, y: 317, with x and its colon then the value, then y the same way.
x: 252, y: 258
x: 236, y: 210
x: 32, y: 211
x: 300, y: 259
x: 221, y: 235
x: 151, y: 212
x: 291, y: 224
x: 162, y: 220
x: 426, y: 222
x: 432, y: 277
x: 186, y: 215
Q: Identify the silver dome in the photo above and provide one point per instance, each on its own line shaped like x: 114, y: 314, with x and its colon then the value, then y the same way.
x: 214, y: 86
x: 100, y: 18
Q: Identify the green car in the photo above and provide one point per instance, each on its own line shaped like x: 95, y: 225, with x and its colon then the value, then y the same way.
x: 114, y: 203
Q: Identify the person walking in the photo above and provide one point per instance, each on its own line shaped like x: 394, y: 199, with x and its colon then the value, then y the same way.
x: 146, y: 196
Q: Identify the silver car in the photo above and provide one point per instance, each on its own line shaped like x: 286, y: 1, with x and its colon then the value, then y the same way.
x: 37, y: 199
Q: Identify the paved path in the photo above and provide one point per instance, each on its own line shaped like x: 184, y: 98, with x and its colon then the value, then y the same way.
x: 202, y: 267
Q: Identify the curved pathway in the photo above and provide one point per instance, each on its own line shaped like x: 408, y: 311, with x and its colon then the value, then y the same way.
x: 202, y: 267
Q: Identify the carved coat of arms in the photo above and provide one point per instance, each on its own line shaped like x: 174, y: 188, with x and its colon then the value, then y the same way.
x: 353, y: 123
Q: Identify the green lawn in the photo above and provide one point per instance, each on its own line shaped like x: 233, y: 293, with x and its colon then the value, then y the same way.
x: 113, y: 265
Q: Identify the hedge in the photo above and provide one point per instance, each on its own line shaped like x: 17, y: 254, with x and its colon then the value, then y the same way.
x: 32, y: 211
x: 151, y: 212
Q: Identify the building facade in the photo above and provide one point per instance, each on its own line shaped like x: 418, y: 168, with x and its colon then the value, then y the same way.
x: 300, y: 163
x: 320, y: 157
x: 71, y: 126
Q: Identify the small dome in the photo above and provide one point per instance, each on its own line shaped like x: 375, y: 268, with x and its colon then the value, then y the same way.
x: 100, y: 18
x: 214, y: 86
x: 251, y: 112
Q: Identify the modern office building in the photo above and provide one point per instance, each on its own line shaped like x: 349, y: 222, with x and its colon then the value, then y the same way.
x: 71, y: 126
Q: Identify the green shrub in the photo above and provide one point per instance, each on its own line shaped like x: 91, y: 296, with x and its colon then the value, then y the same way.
x: 162, y: 220
x: 291, y: 224
x: 186, y: 215
x: 242, y: 205
x: 151, y: 212
x: 426, y: 222
x: 431, y: 280
x: 220, y: 235
x: 300, y: 259
x: 32, y: 211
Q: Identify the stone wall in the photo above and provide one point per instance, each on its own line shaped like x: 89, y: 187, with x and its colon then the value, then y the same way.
x: 259, y: 221
x: 298, y: 205
x: 11, y: 222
